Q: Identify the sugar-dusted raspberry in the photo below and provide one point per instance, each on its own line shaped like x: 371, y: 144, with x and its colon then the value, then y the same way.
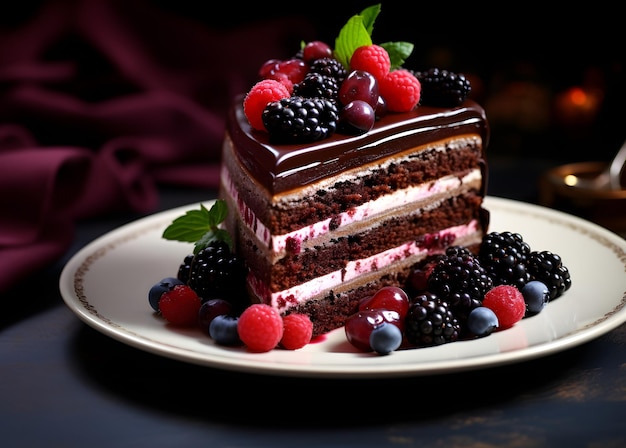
x: 262, y: 93
x: 373, y: 59
x: 401, y: 90
x: 297, y: 331
x: 507, y: 302
x: 180, y: 305
x: 260, y: 327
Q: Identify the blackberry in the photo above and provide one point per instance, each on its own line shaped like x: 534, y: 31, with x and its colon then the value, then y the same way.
x: 317, y: 85
x: 184, y: 269
x: 298, y: 119
x: 442, y: 88
x: 547, y: 267
x: 329, y: 67
x: 216, y: 272
x: 429, y: 321
x: 460, y: 280
x: 504, y: 255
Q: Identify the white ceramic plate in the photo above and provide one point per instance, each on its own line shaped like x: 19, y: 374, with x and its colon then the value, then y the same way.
x: 107, y: 282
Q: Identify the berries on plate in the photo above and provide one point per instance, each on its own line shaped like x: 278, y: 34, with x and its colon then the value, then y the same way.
x: 224, y: 330
x: 504, y: 256
x: 453, y: 296
x: 212, y: 308
x: 360, y: 325
x: 385, y: 338
x: 430, y: 322
x: 260, y: 327
x: 482, y: 321
x: 391, y: 298
x: 180, y: 306
x: 297, y: 331
x: 157, y: 290
x: 460, y: 280
x: 536, y: 295
x: 507, y: 302
x: 214, y: 270
x: 548, y: 268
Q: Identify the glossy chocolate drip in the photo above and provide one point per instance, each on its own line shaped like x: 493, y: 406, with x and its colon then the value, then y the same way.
x: 282, y: 167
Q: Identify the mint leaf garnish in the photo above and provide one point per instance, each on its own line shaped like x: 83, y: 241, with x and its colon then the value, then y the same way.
x: 398, y: 52
x: 369, y: 15
x: 352, y: 36
x: 200, y: 227
x: 357, y: 32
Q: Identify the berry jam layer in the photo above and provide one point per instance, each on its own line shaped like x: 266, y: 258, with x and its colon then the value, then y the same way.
x: 370, y: 238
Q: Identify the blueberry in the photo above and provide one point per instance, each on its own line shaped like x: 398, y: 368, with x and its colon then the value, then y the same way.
x: 154, y: 295
x: 385, y: 338
x: 223, y: 330
x: 482, y: 321
x: 536, y: 295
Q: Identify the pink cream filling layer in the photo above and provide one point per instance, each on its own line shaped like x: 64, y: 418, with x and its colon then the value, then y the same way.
x: 278, y: 243
x: 283, y: 300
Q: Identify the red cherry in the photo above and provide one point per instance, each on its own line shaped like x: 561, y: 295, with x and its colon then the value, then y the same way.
x: 268, y: 68
x: 316, y: 50
x: 212, y: 308
x: 387, y: 298
x: 359, y: 85
x: 359, y: 326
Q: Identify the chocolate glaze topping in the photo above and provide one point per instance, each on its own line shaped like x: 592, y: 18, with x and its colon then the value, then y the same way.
x: 282, y: 167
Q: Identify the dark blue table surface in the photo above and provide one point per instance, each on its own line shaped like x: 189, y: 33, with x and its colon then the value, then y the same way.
x: 64, y: 384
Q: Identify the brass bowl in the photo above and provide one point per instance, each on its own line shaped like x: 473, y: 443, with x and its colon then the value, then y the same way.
x: 604, y: 206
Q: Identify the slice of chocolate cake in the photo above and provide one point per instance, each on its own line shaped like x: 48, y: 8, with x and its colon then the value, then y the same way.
x: 322, y: 225
x: 342, y: 170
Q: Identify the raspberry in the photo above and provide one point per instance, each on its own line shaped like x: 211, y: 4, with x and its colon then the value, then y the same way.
x: 180, y: 306
x: 507, y: 302
x: 262, y: 93
x: 373, y: 59
x: 401, y: 90
x: 297, y: 331
x: 260, y: 327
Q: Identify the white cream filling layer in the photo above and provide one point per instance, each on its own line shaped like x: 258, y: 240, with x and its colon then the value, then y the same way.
x: 278, y: 243
x: 283, y: 300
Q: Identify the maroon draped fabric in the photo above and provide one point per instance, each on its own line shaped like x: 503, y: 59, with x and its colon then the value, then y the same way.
x: 102, y: 101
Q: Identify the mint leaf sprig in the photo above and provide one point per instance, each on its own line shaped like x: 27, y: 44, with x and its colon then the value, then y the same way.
x: 200, y: 227
x: 357, y: 32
